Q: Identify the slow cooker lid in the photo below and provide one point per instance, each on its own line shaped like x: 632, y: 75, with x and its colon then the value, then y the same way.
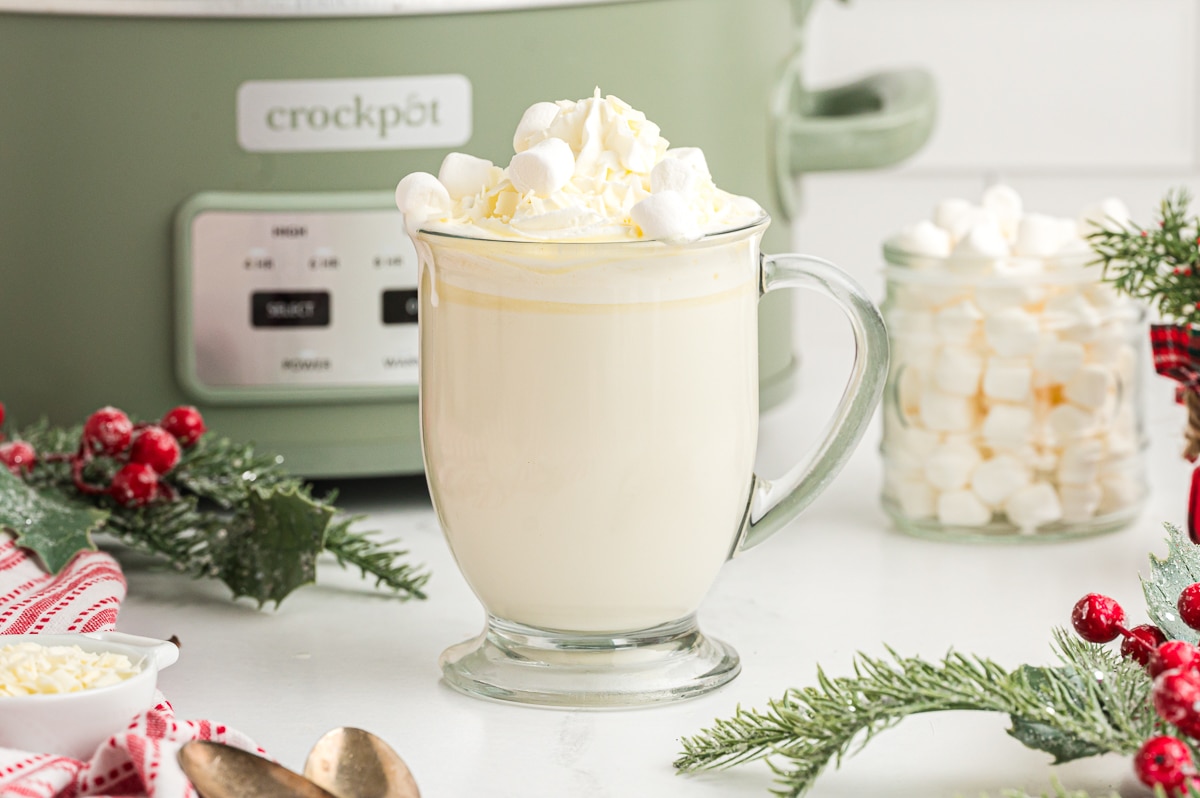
x: 280, y: 8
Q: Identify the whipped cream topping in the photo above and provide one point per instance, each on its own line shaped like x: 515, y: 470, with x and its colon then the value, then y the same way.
x: 596, y: 169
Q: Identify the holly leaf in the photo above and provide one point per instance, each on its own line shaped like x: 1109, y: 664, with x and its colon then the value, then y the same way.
x: 1167, y: 580
x: 1040, y: 736
x: 273, y: 545
x: 52, y: 527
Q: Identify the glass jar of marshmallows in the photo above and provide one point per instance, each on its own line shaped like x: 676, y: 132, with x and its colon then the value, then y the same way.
x: 1014, y: 403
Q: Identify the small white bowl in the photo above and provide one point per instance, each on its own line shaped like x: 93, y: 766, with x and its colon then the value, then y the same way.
x: 75, y: 724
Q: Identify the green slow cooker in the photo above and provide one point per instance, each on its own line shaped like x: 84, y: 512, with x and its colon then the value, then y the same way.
x: 196, y: 195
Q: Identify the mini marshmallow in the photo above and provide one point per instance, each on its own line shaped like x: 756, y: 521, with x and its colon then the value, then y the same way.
x: 924, y: 238
x: 983, y: 240
x: 1122, y: 438
x: 1079, y: 502
x: 1008, y: 379
x: 920, y: 442
x: 420, y: 196
x: 666, y: 217
x: 673, y: 174
x: 994, y: 480
x: 1007, y: 426
x: 1012, y: 332
x: 954, y: 215
x: 1036, y: 458
x: 957, y: 371
x: 1033, y: 506
x: 693, y: 157
x: 1005, y: 204
x: 917, y: 498
x: 949, y: 466
x: 1068, y: 422
x: 938, y: 296
x: 1089, y: 387
x: 907, y: 447
x: 534, y: 125
x: 1057, y: 360
x: 994, y: 296
x: 1072, y: 317
x: 902, y: 322
x: 959, y: 322
x: 1080, y: 462
x: 1039, y: 236
x: 465, y: 175
x: 543, y: 168
x: 1070, y: 234
x: 962, y: 508
x: 1109, y: 213
x: 918, y: 350
x: 910, y: 384
x: 945, y: 412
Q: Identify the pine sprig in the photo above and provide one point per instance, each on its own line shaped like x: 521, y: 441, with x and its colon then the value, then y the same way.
x: 1093, y: 703
x: 360, y: 550
x: 1159, y: 264
x: 238, y: 516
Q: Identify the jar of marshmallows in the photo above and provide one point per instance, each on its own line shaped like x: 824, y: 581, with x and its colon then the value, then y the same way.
x: 1014, y: 404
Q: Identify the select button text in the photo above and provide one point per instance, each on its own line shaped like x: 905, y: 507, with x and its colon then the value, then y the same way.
x: 289, y: 309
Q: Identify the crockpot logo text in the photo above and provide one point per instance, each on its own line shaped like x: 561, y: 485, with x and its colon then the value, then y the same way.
x: 357, y: 114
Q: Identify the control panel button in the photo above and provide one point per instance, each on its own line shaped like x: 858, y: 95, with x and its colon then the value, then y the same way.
x: 289, y: 309
x: 400, y: 306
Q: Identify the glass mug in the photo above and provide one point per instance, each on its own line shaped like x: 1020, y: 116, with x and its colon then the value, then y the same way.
x: 589, y: 418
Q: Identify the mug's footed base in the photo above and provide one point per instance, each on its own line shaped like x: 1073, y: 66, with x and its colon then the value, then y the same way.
x: 509, y: 662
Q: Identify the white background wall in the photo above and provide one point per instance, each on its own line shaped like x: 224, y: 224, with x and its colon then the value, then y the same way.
x: 1068, y: 101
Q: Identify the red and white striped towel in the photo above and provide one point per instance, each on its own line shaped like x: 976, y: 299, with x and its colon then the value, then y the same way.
x: 137, y: 761
x: 83, y: 597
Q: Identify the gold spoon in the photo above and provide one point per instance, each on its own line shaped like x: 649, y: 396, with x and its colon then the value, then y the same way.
x: 217, y: 770
x: 352, y: 763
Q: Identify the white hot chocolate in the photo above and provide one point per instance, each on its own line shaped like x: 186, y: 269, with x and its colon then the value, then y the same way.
x: 589, y: 384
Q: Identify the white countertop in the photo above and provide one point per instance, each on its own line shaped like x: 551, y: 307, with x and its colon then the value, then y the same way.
x: 838, y: 580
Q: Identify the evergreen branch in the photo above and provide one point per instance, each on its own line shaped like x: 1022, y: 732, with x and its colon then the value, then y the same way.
x: 1093, y: 703
x: 237, y: 515
x: 1158, y: 265
x: 379, y: 561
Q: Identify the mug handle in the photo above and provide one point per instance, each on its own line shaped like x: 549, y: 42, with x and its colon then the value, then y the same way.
x: 775, y: 503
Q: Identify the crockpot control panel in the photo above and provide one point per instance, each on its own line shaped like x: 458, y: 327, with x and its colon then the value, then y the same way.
x: 295, y: 297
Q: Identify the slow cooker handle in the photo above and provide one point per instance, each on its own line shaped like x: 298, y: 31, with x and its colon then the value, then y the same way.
x: 870, y: 123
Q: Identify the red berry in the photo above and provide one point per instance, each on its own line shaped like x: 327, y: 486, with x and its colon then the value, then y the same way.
x: 1163, y: 760
x: 1141, y: 642
x: 18, y: 456
x: 108, y: 431
x: 1, y: 412
x: 134, y: 485
x: 185, y: 423
x: 1097, y: 618
x: 155, y: 447
x: 1174, y: 655
x: 1177, y: 699
x: 1189, y: 605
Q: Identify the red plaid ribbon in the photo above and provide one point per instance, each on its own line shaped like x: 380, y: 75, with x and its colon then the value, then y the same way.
x: 1177, y: 355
